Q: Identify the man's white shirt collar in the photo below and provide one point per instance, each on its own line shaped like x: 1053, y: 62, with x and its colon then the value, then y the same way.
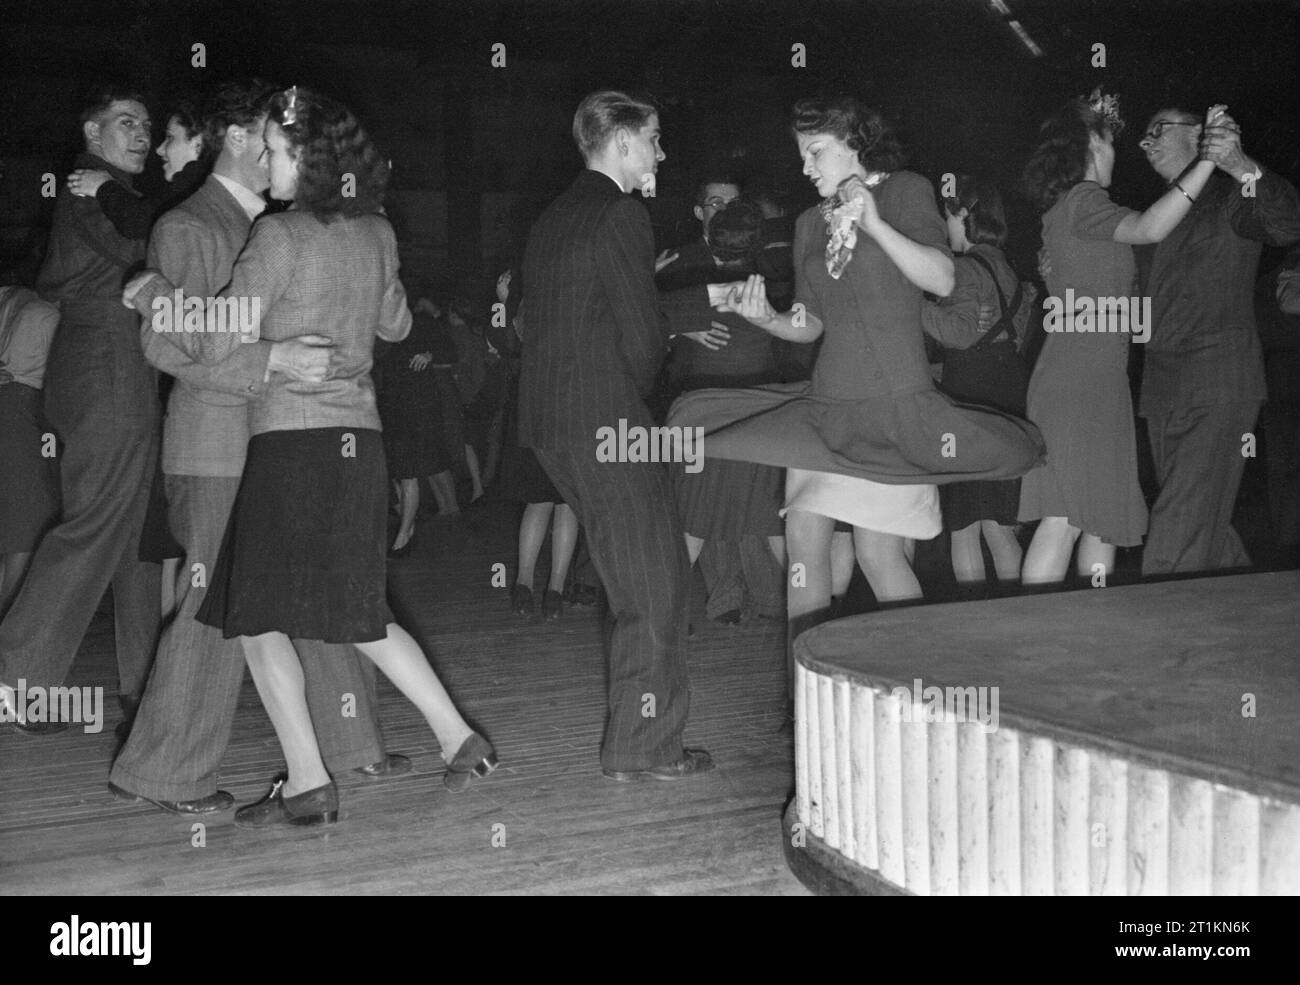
x: 251, y: 202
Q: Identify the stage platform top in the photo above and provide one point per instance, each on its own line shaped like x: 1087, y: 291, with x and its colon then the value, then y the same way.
x: 1198, y: 676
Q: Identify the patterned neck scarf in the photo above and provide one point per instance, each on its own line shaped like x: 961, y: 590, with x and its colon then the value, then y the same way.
x: 843, y: 231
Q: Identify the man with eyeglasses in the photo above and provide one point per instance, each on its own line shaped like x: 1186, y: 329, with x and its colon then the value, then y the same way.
x: 1203, y: 375
x: 101, y: 398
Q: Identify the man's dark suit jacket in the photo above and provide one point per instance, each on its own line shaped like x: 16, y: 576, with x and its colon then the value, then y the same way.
x: 1204, y: 347
x: 593, y: 334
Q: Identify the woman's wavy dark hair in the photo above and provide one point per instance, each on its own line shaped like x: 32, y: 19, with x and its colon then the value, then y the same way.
x: 333, y: 148
x: 186, y: 113
x: 864, y: 129
x: 986, y: 218
x: 1060, y: 158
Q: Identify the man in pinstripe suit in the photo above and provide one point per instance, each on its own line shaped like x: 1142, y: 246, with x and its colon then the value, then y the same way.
x: 183, y: 726
x: 592, y: 347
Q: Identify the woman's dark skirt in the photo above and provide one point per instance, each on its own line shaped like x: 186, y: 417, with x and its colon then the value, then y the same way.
x: 29, y: 480
x: 528, y: 481
x: 964, y: 503
x: 728, y: 500
x: 304, y: 552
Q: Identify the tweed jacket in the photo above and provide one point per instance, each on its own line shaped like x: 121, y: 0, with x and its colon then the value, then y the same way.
x: 206, y: 429
x: 308, y: 276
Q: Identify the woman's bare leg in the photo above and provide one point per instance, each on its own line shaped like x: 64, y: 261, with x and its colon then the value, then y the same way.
x: 404, y: 663
x: 884, y: 560
x: 277, y: 672
x: 1094, y: 551
x: 408, y: 498
x: 532, y: 534
x: 968, y: 555
x: 808, y: 578
x: 777, y: 546
x: 444, y: 493
x: 564, y: 538
x: 1005, y: 548
x: 694, y: 545
x: 475, y: 478
x: 841, y: 563
x: 1048, y: 557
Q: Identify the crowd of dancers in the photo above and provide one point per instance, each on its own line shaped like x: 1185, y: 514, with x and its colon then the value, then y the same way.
x: 863, y: 375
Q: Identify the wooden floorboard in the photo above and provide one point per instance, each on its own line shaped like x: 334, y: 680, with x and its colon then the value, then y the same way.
x: 536, y: 689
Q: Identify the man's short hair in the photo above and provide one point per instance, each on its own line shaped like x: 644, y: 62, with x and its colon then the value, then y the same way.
x: 715, y: 178
x: 101, y: 97
x: 601, y: 113
x: 234, y: 104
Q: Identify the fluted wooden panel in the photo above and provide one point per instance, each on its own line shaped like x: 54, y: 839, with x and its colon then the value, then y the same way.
x: 1070, y: 817
x: 889, y: 789
x: 1036, y: 828
x: 802, y: 793
x: 830, y: 787
x: 1148, y: 828
x: 1191, y: 808
x: 862, y: 768
x: 1107, y: 826
x: 945, y: 846
x: 813, y: 733
x: 942, y: 807
x: 1235, y: 860
x: 973, y: 811
x: 1004, y: 813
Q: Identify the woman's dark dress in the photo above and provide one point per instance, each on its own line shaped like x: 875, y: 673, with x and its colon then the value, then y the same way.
x: 871, y: 410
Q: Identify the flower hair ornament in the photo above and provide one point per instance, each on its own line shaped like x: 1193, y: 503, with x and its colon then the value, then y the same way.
x: 843, y: 229
x: 290, y: 115
x: 1107, y: 107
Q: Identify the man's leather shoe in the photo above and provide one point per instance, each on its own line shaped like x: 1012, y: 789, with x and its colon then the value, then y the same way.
x: 213, y: 803
x: 692, y: 763
x: 729, y: 618
x: 317, y: 806
x: 391, y: 765
x: 41, y: 728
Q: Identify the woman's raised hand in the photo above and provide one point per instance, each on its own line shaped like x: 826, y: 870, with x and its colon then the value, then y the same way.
x: 85, y: 182
x: 503, y: 287
x: 749, y: 300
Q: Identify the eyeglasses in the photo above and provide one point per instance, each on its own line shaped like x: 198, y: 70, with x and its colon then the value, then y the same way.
x: 1158, y: 128
x: 716, y: 203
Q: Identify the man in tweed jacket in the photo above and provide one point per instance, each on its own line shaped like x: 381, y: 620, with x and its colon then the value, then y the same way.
x: 184, y: 723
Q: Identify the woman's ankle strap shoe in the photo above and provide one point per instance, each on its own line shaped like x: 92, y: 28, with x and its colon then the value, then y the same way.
x: 474, y: 758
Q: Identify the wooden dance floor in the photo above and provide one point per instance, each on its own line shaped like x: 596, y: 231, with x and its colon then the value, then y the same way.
x: 546, y: 822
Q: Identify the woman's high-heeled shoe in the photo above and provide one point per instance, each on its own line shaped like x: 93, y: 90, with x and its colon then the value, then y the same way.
x: 474, y: 758
x: 405, y: 549
x: 552, y: 605
x: 521, y: 600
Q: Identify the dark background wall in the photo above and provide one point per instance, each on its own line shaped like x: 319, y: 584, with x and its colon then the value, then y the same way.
x: 478, y: 150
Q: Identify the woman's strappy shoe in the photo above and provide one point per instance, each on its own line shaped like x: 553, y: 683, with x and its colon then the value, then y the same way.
x: 474, y: 758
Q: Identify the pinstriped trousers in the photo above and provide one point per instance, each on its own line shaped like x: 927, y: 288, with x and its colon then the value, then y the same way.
x: 636, y: 541
x: 183, y: 726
